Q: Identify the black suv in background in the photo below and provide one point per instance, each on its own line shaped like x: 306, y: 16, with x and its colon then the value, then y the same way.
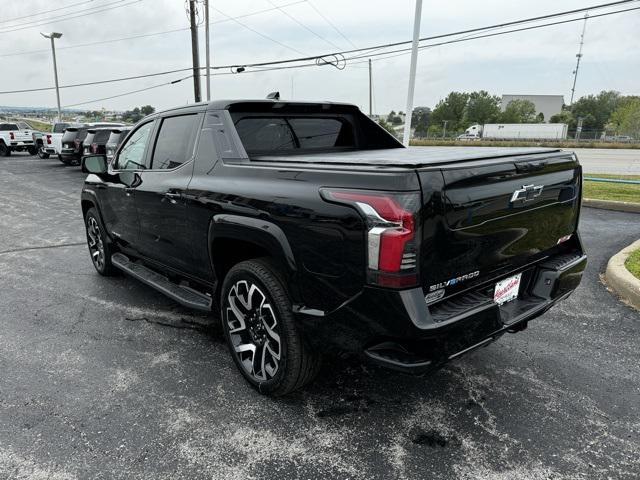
x: 115, y: 139
x: 74, y: 139
x: 71, y: 151
x: 96, y: 141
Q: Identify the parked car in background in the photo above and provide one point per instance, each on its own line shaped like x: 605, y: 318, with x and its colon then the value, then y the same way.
x: 96, y: 141
x: 50, y: 143
x: 73, y: 141
x: 16, y: 139
x: 309, y: 228
x: 115, y: 139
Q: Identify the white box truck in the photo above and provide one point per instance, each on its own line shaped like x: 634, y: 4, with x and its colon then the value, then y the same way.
x: 517, y: 131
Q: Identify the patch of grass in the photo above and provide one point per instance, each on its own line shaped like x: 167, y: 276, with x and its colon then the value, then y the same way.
x: 612, y: 191
x: 507, y: 143
x: 40, y: 126
x: 633, y: 263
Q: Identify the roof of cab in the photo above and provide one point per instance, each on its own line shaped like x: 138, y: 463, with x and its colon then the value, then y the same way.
x: 261, y: 104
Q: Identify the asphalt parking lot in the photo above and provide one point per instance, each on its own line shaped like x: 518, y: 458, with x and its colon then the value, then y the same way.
x: 105, y: 378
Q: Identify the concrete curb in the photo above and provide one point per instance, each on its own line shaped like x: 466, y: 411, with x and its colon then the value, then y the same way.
x: 621, y: 280
x: 611, y: 205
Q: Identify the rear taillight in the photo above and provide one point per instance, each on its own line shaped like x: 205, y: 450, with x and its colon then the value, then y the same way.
x: 391, y: 233
x: 48, y: 139
x: 12, y: 136
x: 94, y: 148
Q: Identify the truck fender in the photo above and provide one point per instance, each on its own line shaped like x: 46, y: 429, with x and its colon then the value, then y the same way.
x: 254, y: 230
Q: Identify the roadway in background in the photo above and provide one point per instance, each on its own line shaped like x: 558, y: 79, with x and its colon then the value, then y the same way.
x: 609, y: 160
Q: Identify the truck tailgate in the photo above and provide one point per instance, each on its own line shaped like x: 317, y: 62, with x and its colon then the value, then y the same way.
x: 497, y: 217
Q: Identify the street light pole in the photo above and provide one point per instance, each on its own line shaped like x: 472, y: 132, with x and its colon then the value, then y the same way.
x: 412, y: 72
x: 52, y: 36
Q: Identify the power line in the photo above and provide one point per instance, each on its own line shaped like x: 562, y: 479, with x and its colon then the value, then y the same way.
x: 244, y: 25
x: 283, y: 64
x: 304, y: 26
x: 435, y: 37
x: 99, y: 82
x: 144, y: 35
x: 331, y: 24
x: 173, y: 82
x: 9, y: 20
x: 102, y: 8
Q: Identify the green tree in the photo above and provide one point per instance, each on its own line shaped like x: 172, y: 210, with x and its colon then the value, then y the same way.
x: 564, y: 116
x: 626, y: 118
x: 387, y: 126
x: 451, y: 109
x: 482, y: 108
x: 420, y: 119
x: 596, y: 110
x: 519, y: 111
x: 147, y: 110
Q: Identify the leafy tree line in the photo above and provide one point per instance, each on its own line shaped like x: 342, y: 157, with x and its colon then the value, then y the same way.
x: 607, y: 111
x: 133, y: 116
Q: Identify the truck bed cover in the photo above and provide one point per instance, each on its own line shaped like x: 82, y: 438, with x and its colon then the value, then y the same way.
x: 405, y: 157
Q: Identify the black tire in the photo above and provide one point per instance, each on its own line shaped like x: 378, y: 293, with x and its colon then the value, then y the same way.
x: 32, y: 150
x: 61, y: 158
x: 100, y: 247
x: 4, y: 150
x: 42, y: 154
x: 296, y: 364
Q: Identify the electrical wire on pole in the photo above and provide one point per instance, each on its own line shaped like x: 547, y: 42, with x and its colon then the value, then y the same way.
x: 284, y: 64
x: 579, y: 57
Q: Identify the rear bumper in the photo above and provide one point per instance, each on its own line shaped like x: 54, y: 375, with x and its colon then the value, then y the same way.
x: 400, y: 331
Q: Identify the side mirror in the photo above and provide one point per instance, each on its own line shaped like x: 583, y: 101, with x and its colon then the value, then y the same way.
x: 94, y: 164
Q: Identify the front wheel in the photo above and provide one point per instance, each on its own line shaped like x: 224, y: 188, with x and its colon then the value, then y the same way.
x: 98, y: 243
x: 261, y: 332
x: 32, y: 150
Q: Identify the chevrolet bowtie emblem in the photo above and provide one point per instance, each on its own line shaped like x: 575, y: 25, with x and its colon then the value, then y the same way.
x: 526, y: 193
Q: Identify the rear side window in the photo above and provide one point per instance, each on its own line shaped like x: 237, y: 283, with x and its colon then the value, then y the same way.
x: 266, y: 134
x: 175, y: 142
x: 69, y: 134
x: 101, y: 136
x: 320, y: 132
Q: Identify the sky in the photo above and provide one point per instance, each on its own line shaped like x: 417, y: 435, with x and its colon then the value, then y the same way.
x: 534, y: 62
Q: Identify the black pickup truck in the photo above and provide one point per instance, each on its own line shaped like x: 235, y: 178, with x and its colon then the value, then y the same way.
x: 310, y: 229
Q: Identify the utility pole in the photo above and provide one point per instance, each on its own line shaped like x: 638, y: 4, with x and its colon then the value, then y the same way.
x: 53, y: 36
x: 370, y: 91
x: 444, y: 130
x: 578, y: 56
x: 412, y: 73
x: 206, y: 34
x: 194, y: 51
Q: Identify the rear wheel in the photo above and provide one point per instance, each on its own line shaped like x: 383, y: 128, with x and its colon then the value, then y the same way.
x: 261, y: 332
x: 4, y: 150
x: 99, y: 246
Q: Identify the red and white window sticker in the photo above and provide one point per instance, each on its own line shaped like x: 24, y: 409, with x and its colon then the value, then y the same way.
x: 507, y: 289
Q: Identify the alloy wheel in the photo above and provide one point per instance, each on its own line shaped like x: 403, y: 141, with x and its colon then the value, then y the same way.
x: 96, y: 246
x: 253, y: 329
